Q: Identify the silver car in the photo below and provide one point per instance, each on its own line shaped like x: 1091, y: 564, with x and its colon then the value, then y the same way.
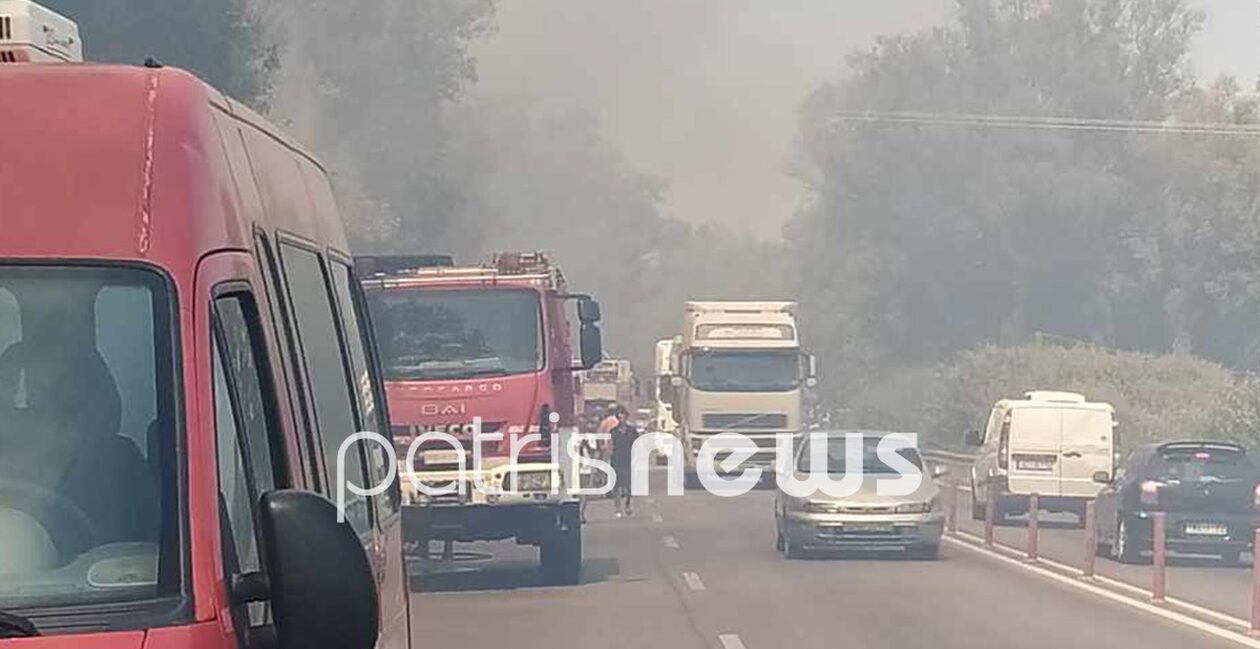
x: 865, y: 520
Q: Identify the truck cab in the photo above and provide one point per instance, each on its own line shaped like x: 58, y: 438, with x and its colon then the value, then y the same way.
x: 479, y: 366
x: 739, y: 368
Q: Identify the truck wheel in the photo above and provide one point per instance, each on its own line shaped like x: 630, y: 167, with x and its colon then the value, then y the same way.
x: 1231, y: 557
x: 691, y: 480
x: 561, y: 556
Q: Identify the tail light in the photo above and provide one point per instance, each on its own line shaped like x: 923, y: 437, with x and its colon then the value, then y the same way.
x: 1004, y: 444
x: 1149, y: 492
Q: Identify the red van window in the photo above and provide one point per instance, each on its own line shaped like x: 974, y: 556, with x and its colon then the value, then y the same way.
x: 86, y: 369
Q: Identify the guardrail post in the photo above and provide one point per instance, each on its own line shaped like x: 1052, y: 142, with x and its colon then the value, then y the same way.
x: 1091, y: 539
x: 1255, y: 584
x: 951, y: 517
x: 989, y: 510
x: 1160, y: 585
x: 1034, y: 509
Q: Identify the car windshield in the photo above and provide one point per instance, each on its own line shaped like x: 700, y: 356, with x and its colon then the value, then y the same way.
x: 457, y: 334
x: 839, y: 463
x: 87, y: 437
x: 745, y: 371
x: 1205, y: 465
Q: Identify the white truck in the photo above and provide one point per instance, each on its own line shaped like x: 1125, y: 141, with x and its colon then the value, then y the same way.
x: 738, y: 368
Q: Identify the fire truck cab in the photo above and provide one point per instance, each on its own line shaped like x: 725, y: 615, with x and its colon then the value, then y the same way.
x: 479, y: 369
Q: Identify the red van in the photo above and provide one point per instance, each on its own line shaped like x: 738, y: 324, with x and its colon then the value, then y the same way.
x: 183, y: 350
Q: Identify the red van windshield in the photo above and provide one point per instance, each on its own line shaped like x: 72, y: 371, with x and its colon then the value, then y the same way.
x: 88, y: 507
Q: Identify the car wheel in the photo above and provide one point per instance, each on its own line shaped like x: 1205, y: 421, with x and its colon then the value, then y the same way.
x: 1123, y: 549
x: 924, y: 552
x: 791, y: 550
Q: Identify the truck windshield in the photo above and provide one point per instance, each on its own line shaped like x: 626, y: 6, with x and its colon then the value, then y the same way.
x: 88, y: 507
x: 457, y: 334
x: 745, y: 371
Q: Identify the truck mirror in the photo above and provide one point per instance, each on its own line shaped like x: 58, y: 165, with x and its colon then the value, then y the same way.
x: 676, y: 381
x: 812, y: 364
x: 592, y: 344
x: 811, y: 382
x: 588, y: 310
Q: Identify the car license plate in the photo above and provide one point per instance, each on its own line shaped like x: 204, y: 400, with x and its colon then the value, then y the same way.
x: 1207, y: 529
x: 1034, y: 462
x: 868, y: 527
x: 443, y: 456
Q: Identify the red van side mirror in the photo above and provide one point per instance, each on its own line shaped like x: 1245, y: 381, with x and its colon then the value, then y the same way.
x: 323, y: 592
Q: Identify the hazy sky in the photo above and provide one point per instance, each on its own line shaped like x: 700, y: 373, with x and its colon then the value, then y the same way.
x: 703, y: 93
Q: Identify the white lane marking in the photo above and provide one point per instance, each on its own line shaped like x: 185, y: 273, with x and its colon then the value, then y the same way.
x: 670, y: 542
x: 656, y: 518
x: 1080, y: 584
x: 731, y: 641
x: 694, y: 583
x: 1197, y: 609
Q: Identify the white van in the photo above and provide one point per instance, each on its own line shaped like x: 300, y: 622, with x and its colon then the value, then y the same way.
x: 1048, y: 443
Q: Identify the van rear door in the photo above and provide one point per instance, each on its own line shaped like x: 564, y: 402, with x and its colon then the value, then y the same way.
x: 1033, y: 450
x: 1086, y: 450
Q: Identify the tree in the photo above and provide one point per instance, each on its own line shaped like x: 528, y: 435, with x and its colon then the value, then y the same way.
x: 935, y: 238
x: 222, y: 41
x: 371, y: 86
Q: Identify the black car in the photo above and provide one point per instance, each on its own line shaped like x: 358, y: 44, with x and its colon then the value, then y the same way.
x: 1207, y: 489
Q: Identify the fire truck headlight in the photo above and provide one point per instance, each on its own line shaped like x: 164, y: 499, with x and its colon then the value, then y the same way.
x: 529, y: 481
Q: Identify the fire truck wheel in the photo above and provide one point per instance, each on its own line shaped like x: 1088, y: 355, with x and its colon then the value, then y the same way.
x: 561, y: 555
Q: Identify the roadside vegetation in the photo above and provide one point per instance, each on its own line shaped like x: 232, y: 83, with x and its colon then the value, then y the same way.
x: 1157, y: 397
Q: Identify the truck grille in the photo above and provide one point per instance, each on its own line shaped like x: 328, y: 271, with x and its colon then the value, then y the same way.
x: 745, y: 421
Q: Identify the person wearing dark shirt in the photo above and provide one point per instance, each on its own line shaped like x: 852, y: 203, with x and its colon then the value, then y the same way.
x: 623, y: 436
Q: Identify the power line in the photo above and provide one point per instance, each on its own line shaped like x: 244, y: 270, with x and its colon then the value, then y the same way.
x: 1040, y: 123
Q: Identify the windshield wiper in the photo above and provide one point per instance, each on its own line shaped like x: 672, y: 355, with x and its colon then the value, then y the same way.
x: 13, y: 625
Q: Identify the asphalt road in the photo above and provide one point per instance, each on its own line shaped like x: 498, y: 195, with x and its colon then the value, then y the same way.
x: 1204, y: 581
x: 700, y: 571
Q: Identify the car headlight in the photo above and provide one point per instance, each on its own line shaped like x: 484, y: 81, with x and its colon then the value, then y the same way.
x: 915, y: 508
x: 529, y: 481
x: 818, y: 506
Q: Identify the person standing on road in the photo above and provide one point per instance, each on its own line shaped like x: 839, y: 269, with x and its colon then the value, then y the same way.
x: 623, y: 436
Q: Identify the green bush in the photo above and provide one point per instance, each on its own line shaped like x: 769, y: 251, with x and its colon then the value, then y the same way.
x: 1157, y: 397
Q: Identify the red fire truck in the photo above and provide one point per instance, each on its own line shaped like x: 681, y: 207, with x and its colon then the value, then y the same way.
x: 488, y: 345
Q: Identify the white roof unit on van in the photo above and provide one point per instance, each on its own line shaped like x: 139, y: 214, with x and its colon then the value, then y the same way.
x: 1055, y: 396
x: 30, y: 33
